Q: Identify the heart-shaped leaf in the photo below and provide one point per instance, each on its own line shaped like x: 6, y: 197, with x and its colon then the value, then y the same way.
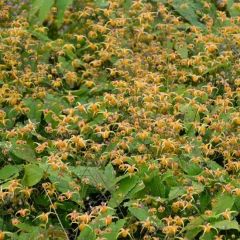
x: 32, y: 174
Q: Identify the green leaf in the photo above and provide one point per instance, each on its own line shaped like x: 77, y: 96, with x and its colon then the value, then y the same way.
x: 193, y: 228
x: 87, y: 234
x: 32, y: 175
x: 222, y: 203
x: 115, y: 228
x: 137, y: 189
x: 101, y: 3
x: 176, y: 192
x: 208, y: 236
x: 198, y: 187
x: 94, y: 174
x: 127, y: 4
x: 8, y: 172
x: 217, y: 67
x: 191, y: 114
x: 140, y: 213
x: 62, y: 6
x: 190, y: 168
x: 125, y: 186
x: 27, y: 227
x: 43, y: 8
x: 168, y: 45
x: 54, y: 103
x: 65, y: 64
x: 205, y: 200
x: 62, y: 181
x: 213, y: 165
x: 156, y: 187
x: 39, y: 35
x: 24, y: 235
x: 234, y: 11
x: 35, y: 109
x: 109, y: 173
x: 227, y: 224
x: 36, y: 5
x: 182, y: 51
x: 23, y: 151
x: 187, y: 10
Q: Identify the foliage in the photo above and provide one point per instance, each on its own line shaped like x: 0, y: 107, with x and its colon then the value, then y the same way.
x: 119, y: 119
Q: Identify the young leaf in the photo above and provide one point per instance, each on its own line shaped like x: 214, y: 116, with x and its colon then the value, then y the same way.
x: 176, y: 192
x: 62, y: 6
x: 39, y: 35
x: 110, y: 173
x: 23, y: 151
x: 227, y: 224
x: 187, y: 11
x: 36, y: 5
x: 42, y: 7
x: 94, y: 174
x: 115, y: 228
x: 205, y: 200
x: 156, y: 187
x: 137, y: 189
x: 35, y: 107
x: 125, y: 186
x: 87, y: 234
x: 193, y: 228
x: 54, y: 103
x: 223, y: 202
x: 190, y: 168
x: 140, y: 213
x: 182, y: 51
x: 234, y: 11
x: 8, y: 172
x: 62, y: 182
x: 101, y: 3
x: 127, y: 4
x: 45, y: 9
x: 32, y: 175
x: 208, y: 235
x: 27, y: 228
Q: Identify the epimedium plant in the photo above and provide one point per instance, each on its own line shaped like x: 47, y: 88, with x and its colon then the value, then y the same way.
x: 119, y: 119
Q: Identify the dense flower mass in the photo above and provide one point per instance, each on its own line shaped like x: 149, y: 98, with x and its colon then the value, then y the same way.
x: 119, y: 119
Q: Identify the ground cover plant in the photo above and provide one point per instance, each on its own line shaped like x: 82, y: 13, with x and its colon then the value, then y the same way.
x: 119, y: 119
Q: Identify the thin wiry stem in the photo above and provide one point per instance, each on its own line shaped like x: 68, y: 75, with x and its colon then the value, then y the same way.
x: 59, y: 220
